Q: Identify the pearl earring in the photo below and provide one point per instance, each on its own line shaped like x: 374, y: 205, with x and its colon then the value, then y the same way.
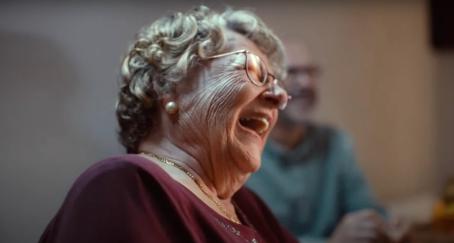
x: 171, y: 107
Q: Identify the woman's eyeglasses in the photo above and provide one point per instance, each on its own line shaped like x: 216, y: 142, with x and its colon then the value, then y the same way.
x: 256, y: 69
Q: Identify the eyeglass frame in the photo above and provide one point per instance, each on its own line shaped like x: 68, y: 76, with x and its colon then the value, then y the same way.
x: 274, y: 80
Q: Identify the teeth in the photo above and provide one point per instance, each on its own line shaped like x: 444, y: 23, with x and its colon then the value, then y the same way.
x: 258, y: 124
x: 265, y: 125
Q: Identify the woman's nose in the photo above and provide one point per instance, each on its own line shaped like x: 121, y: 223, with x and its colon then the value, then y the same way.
x: 277, y: 96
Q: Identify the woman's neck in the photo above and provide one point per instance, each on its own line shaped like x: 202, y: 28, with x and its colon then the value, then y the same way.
x: 165, y: 148
x: 187, y: 171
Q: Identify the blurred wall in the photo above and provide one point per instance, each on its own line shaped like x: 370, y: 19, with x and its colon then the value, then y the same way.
x: 382, y: 82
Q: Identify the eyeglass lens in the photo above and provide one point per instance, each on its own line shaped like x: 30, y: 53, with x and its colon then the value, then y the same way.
x: 256, y: 69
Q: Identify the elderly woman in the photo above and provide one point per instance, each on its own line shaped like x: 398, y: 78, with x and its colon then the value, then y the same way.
x: 199, y: 96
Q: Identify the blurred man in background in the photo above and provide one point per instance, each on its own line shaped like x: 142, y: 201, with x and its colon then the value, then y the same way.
x: 309, y: 175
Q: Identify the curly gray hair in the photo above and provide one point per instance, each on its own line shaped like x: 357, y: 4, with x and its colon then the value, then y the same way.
x: 165, y: 51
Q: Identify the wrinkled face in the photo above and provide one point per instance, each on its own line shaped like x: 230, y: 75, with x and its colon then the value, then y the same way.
x: 301, y: 84
x: 226, y: 114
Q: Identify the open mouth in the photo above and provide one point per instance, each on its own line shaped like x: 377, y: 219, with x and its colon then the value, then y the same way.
x: 258, y: 124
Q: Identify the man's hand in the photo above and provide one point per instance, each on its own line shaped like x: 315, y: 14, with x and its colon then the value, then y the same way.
x: 364, y: 226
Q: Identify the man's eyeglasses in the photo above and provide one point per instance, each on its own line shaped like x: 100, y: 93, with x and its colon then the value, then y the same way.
x: 256, y: 69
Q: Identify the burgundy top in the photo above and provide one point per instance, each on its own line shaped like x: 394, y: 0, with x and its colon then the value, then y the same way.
x: 129, y: 199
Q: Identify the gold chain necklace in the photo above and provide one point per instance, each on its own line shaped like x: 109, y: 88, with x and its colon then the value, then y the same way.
x: 198, y: 181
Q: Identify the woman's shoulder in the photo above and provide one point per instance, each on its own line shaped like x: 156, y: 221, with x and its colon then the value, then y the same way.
x: 123, y: 164
x: 120, y: 161
x: 119, y: 171
x: 121, y: 190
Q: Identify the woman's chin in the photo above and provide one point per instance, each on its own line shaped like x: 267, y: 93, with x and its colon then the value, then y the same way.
x: 246, y: 151
x: 255, y: 164
x: 249, y: 163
